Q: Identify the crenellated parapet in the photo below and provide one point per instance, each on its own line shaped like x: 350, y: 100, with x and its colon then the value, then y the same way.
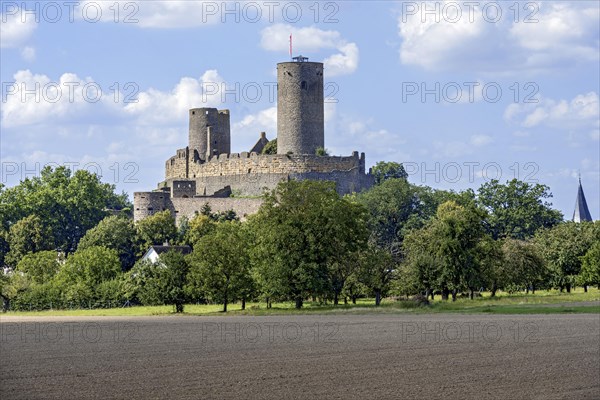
x: 252, y: 163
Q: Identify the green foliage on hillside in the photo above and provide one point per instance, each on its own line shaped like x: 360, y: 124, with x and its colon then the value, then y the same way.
x: 62, y: 249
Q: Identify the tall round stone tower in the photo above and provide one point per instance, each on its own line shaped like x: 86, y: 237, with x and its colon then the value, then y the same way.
x: 300, y: 109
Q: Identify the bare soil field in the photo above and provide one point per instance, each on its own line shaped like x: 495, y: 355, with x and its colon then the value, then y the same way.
x: 381, y: 356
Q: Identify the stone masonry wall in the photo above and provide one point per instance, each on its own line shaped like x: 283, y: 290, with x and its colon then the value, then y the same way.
x: 249, y: 174
x: 248, y: 163
x: 149, y: 203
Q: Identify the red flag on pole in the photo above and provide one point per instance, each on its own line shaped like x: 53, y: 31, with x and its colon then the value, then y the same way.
x: 290, y: 45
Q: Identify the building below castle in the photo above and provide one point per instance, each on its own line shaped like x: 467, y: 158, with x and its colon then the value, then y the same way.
x: 206, y: 172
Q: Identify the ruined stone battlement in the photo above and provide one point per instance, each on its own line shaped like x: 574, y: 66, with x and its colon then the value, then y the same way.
x: 183, y: 167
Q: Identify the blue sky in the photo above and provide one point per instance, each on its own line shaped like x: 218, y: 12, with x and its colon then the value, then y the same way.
x: 460, y: 92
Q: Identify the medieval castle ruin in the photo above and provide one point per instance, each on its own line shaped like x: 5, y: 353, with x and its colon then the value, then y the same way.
x: 206, y: 172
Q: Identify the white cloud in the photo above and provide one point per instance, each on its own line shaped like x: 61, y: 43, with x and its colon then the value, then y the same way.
x: 451, y: 149
x: 581, y: 111
x: 37, y: 98
x: 347, y: 133
x: 521, y: 133
x: 245, y: 132
x: 311, y: 39
x: 155, y: 106
x: 535, y: 118
x: 564, y: 33
x: 344, y: 63
x: 481, y: 140
x: 14, y: 32
x: 523, y: 148
x: 173, y: 14
x: 71, y: 98
x: 28, y: 53
x: 430, y: 44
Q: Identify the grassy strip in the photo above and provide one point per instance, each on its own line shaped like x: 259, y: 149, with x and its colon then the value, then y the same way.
x: 540, y: 303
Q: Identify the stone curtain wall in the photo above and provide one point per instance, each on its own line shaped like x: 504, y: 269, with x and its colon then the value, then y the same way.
x: 252, y: 163
x: 189, y: 207
x: 149, y: 203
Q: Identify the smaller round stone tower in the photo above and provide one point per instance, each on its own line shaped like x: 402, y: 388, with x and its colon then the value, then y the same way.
x: 220, y: 138
x: 300, y: 107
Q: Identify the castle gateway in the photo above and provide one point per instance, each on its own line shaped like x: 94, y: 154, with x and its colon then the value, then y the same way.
x: 206, y: 172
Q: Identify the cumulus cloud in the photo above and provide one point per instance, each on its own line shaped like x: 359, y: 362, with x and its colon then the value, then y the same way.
x: 432, y: 44
x: 37, y: 98
x: 154, y: 14
x: 447, y: 39
x: 28, y: 53
x: 14, y: 32
x: 347, y: 133
x: 481, y: 140
x: 562, y: 31
x: 582, y: 111
x: 311, y: 39
x: 246, y: 131
x: 155, y: 106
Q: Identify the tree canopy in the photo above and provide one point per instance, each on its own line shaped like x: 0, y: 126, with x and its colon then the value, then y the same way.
x: 301, y: 228
x: 517, y: 209
x: 67, y: 204
x: 114, y: 232
x: 385, y: 170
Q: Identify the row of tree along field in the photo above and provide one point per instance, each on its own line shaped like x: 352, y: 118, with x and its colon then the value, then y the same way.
x: 64, y: 244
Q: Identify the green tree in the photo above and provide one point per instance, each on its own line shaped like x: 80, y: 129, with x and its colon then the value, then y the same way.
x: 376, y: 271
x: 4, y: 248
x: 28, y: 235
x: 40, y: 267
x: 517, y: 209
x: 459, y: 230
x: 90, y: 267
x: 395, y: 207
x: 162, y: 282
x: 199, y: 226
x: 296, y: 237
x: 421, y: 269
x: 114, y: 232
x: 446, y: 254
x: 495, y: 274
x: 384, y: 170
x: 353, y: 287
x: 156, y: 230
x: 563, y: 245
x: 11, y: 286
x: 220, y: 265
x: 68, y: 204
x: 391, y: 205
x: 270, y: 148
x: 524, y: 265
x: 590, y: 266
x: 183, y: 227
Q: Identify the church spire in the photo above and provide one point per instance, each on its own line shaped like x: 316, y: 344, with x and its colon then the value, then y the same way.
x: 581, y: 213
